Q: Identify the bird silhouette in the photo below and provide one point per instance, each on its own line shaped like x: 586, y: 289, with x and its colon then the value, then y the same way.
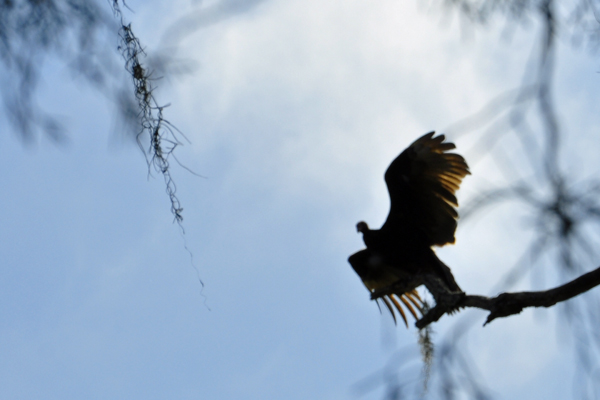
x: 422, y: 182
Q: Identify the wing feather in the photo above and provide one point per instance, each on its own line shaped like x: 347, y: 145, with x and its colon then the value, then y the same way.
x: 417, y: 304
x: 389, y: 307
x: 410, y: 308
x: 422, y: 182
x: 399, y: 308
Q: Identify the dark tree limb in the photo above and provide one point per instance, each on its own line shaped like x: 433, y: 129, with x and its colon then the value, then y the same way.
x: 503, y: 305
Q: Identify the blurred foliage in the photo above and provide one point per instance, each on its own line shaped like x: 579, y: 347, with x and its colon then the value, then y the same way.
x: 31, y: 31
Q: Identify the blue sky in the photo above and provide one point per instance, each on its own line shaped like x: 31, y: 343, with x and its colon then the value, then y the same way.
x: 294, y: 112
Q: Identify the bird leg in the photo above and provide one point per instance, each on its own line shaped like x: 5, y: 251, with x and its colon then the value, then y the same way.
x: 440, y: 292
x: 446, y: 302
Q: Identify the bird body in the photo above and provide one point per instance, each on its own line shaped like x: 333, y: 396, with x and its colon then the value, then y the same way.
x: 409, y: 253
x: 422, y: 182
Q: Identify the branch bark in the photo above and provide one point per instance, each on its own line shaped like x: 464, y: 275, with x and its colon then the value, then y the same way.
x: 503, y: 305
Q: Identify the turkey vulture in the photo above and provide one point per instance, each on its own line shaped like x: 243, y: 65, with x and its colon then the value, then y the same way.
x: 422, y: 182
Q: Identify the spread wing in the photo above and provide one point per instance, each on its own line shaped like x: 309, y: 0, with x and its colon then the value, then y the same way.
x: 422, y: 182
x: 376, y: 274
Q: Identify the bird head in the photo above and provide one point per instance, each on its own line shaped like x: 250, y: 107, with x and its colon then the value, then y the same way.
x: 362, y: 227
